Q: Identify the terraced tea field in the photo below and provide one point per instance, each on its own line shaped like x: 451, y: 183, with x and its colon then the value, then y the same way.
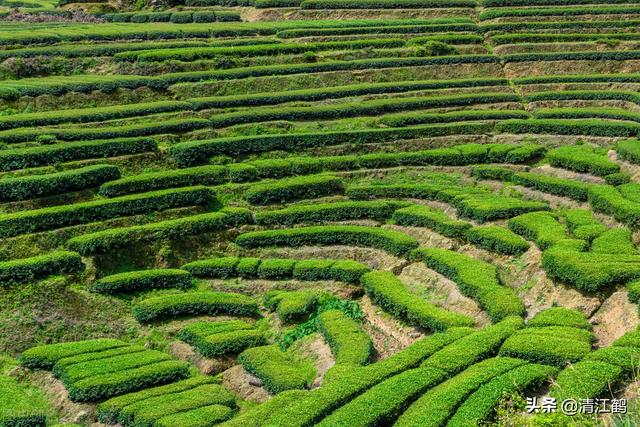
x: 290, y: 213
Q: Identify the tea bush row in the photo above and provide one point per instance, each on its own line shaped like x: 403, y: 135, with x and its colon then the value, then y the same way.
x: 214, y: 339
x: 390, y: 293
x: 15, y: 224
x: 194, y: 303
x: 105, y: 241
x: 280, y: 168
x: 394, y: 242
x: 33, y: 186
x: 346, y: 271
x: 25, y: 270
x: 133, y: 281
x: 198, y: 53
x: 89, y: 83
x: 476, y: 279
x: 173, y: 17
x: 20, y: 158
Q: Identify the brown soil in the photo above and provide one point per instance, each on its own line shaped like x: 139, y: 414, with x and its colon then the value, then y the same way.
x: 185, y: 352
x: 564, y: 173
x: 70, y: 412
x: 576, y: 18
x: 541, y: 68
x: 375, y: 259
x: 615, y: 317
x: 441, y: 291
x: 562, y: 47
x: 425, y: 237
x: 539, y: 292
x: 556, y: 202
x: 630, y: 168
x: 245, y: 385
x: 583, y: 103
x: 281, y: 14
x: 319, y: 351
x: 259, y: 287
x: 549, y: 87
x: 553, y: 140
x: 387, y: 333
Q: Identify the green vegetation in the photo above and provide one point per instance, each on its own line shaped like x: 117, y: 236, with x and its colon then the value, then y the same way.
x: 626, y: 358
x: 614, y: 241
x: 488, y: 207
x: 586, y: 379
x: 29, y: 187
x: 213, y: 339
x: 633, y: 290
x: 549, y: 350
x: 382, y: 4
x: 589, y: 271
x: 227, y: 267
x: 142, y: 280
x: 277, y: 370
x: 292, y: 306
x: 242, y: 189
x: 95, y: 379
x: 492, y: 238
x: 321, y: 212
x: 212, y: 413
x: 257, y: 414
x: 108, y: 240
x: 497, y: 239
x: 275, y: 268
x: 591, y: 127
x: 110, y: 411
x: 582, y: 224
x: 582, y: 159
x: 174, y: 17
x: 439, y: 403
x: 308, y: 187
x: 573, y: 189
x: 558, y: 11
x: 541, y: 227
x: 45, y: 357
x: 321, y: 402
x: 19, y: 406
x: 391, y: 294
x: 203, y: 175
x: 629, y: 150
x: 349, y: 344
x: 423, y: 216
x: 179, y: 401
x: 27, y: 269
x: 479, y: 407
x: 474, y: 347
x: 609, y: 200
x: 80, y: 213
x: 155, y: 409
x: 15, y: 136
x: 197, y: 152
x: 572, y: 56
x: 382, y: 402
x: 211, y: 303
x: 18, y: 158
x: 559, y: 316
x: 87, y: 83
x: 476, y: 279
x: 367, y: 108
x: 394, y: 242
x: 195, y: 53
